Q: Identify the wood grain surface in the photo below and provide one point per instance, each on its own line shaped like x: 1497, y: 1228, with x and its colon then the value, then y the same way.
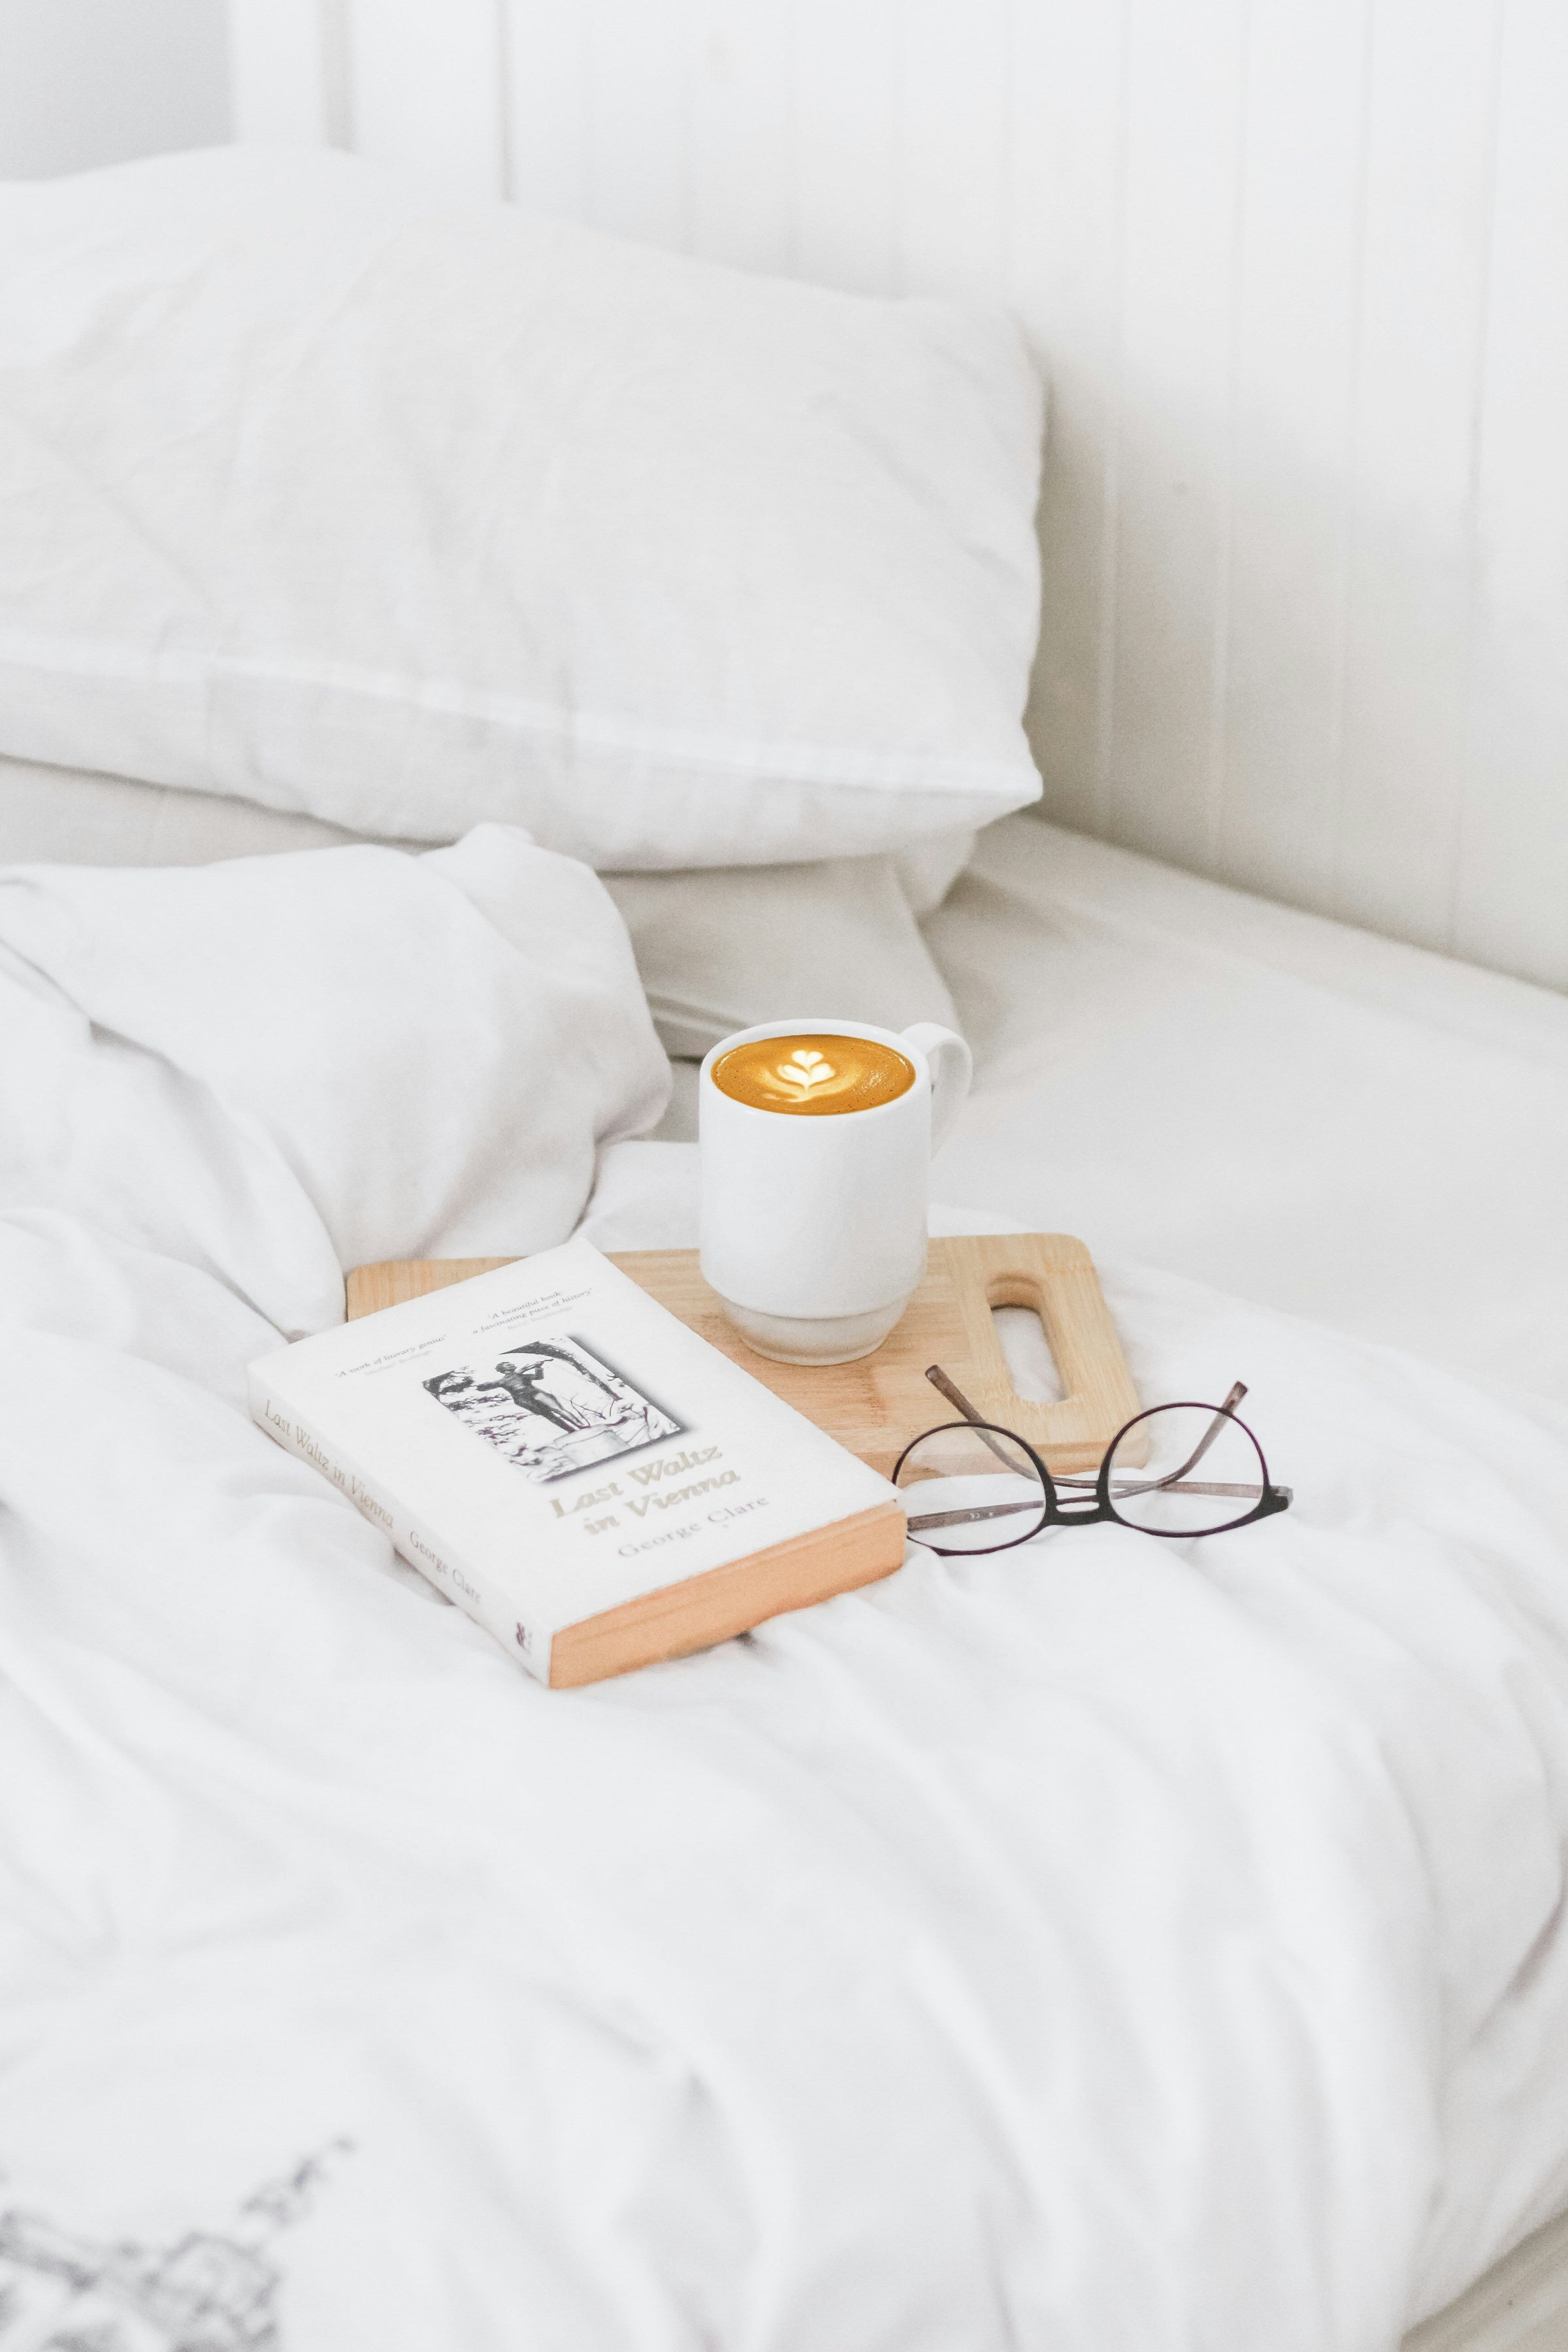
x: 874, y: 1407
x: 676, y: 1619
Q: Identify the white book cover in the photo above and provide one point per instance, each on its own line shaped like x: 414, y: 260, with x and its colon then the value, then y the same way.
x: 546, y: 1443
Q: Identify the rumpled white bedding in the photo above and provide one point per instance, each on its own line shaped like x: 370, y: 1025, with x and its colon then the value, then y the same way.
x: 1103, y: 1944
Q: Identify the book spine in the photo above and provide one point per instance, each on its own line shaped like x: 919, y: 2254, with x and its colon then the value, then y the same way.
x: 528, y: 1645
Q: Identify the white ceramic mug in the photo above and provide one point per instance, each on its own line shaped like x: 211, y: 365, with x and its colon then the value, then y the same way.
x: 814, y: 1229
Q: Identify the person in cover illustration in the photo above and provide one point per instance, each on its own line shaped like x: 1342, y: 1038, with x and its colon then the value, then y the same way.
x: 487, y: 1406
x: 546, y: 1380
x: 551, y: 1407
x: 524, y: 1380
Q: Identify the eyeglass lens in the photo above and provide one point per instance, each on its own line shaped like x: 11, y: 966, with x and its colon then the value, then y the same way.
x: 1199, y: 1475
x: 970, y: 1488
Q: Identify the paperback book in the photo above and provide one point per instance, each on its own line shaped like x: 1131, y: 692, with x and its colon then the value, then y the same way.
x: 562, y: 1458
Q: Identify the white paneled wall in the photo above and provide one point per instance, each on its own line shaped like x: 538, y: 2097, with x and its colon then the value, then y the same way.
x: 1297, y: 271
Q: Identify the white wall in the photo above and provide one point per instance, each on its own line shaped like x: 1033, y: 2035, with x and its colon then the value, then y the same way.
x: 1296, y: 270
x: 84, y: 82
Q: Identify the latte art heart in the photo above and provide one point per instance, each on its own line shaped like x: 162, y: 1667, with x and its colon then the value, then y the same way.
x: 814, y: 1075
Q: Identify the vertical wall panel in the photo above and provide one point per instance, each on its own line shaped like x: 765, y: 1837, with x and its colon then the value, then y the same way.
x: 545, y: 65
x: 277, y: 53
x: 1511, y: 882
x: 1294, y: 268
x: 1295, y: 342
x: 740, y: 125
x: 956, y: 136
x: 1066, y: 145
x: 638, y: 164
x: 849, y: 141
x: 1413, y: 465
x: 1186, y: 72
x: 425, y: 89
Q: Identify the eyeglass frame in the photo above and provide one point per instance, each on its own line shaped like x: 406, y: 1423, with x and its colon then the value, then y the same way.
x: 1272, y: 1499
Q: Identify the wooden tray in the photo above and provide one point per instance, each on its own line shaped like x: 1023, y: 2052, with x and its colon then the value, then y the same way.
x: 876, y: 1406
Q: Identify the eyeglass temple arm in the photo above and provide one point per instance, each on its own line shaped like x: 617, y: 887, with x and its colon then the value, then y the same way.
x: 1213, y: 1431
x: 953, y: 1392
x: 955, y: 1396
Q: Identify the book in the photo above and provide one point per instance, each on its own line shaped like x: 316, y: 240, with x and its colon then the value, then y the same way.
x: 568, y: 1462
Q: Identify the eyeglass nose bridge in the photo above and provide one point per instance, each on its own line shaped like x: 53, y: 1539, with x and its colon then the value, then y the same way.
x: 1085, y: 1514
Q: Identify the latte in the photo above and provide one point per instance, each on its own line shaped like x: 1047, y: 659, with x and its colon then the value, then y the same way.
x: 812, y: 1077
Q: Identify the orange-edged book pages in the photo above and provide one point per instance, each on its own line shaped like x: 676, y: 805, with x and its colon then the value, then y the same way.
x: 564, y: 1459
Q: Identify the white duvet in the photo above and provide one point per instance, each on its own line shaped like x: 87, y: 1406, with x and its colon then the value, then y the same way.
x: 1103, y: 1944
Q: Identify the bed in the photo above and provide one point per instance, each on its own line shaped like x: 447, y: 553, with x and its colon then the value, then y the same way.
x: 1112, y: 1951
x: 1108, y: 1000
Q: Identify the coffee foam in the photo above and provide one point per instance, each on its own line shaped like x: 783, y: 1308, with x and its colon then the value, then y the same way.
x: 813, y: 1077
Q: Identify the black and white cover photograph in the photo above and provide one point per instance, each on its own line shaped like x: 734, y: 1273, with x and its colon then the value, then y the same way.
x: 552, y: 1408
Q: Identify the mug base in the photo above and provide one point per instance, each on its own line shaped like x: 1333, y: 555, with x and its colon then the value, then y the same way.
x: 814, y: 1338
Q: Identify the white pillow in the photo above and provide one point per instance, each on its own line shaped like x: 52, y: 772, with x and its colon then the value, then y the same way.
x: 324, y: 493
x: 721, y: 951
x: 434, y: 1049
x: 718, y: 949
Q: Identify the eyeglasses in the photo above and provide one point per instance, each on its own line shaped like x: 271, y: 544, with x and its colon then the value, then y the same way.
x: 972, y: 1486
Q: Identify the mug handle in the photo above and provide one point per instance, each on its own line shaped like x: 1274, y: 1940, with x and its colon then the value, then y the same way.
x: 951, y: 1067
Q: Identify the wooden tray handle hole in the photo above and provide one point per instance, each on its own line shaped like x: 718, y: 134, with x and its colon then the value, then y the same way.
x: 1025, y: 1347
